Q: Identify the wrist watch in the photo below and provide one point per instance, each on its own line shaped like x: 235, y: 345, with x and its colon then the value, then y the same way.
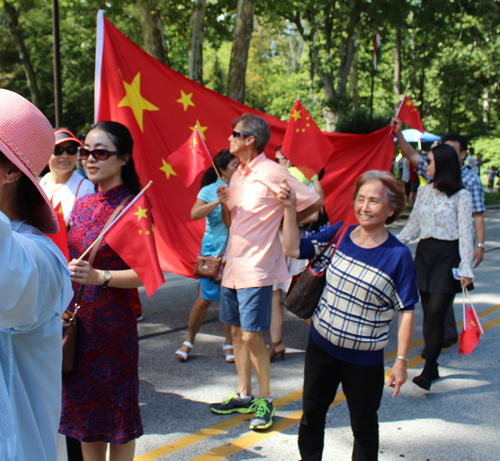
x: 107, y: 277
x: 481, y: 245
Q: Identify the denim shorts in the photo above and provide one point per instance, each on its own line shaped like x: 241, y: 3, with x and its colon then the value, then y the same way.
x: 249, y: 308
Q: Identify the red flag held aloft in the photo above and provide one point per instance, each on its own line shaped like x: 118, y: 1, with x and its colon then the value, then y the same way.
x: 190, y: 159
x: 410, y: 115
x: 305, y: 145
x: 132, y: 237
x: 469, y: 338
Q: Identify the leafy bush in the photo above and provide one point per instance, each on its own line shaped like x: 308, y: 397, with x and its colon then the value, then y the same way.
x: 358, y: 121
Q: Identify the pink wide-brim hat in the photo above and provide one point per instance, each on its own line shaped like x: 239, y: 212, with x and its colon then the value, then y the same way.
x: 27, y: 140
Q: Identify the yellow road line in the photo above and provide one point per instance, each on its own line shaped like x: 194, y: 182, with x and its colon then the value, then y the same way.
x: 280, y: 425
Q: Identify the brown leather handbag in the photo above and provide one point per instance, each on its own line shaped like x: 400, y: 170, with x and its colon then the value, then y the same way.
x: 208, y: 266
x: 69, y: 319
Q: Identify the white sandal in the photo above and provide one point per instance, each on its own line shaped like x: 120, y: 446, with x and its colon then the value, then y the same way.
x: 229, y: 357
x: 183, y: 354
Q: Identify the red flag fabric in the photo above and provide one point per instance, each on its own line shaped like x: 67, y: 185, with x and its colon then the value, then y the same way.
x: 190, y: 159
x: 305, y: 145
x: 354, y: 154
x: 410, y: 115
x: 132, y: 237
x: 469, y: 338
x: 161, y: 108
x: 61, y: 238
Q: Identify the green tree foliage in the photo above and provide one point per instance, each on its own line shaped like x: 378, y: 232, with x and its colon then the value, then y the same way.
x: 449, y: 55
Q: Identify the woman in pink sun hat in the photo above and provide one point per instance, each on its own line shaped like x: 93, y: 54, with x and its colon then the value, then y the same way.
x: 30, y: 328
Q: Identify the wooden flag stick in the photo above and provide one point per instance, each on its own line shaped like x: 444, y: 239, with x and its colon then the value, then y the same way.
x: 407, y: 86
x: 209, y: 156
x: 98, y: 239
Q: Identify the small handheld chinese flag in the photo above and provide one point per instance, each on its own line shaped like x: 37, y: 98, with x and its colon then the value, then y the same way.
x: 410, y: 115
x: 469, y: 338
x: 132, y: 237
x: 190, y: 159
x: 61, y: 238
x: 304, y: 144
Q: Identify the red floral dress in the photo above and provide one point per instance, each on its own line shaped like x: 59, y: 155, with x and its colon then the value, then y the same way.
x: 100, y: 398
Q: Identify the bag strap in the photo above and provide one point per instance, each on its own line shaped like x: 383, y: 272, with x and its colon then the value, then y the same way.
x: 76, y: 195
x: 96, y: 246
x: 341, y: 232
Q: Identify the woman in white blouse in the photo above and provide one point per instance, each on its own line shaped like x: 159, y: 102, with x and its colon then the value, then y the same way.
x: 63, y: 184
x: 441, y: 218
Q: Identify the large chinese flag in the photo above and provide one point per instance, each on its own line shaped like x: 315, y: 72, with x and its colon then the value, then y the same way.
x: 162, y: 107
x: 132, y: 237
x: 410, y: 115
x: 190, y: 159
x: 305, y: 145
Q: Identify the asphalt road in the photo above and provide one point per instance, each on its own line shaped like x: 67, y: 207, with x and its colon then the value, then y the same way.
x: 459, y: 419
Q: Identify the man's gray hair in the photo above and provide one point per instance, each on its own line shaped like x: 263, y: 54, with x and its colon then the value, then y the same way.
x: 257, y: 127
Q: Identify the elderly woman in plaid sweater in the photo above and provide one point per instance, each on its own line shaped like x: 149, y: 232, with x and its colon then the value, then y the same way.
x: 370, y: 276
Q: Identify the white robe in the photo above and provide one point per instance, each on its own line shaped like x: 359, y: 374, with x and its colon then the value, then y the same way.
x: 35, y: 289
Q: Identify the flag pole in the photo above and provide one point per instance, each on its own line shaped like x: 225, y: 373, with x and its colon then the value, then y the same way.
x: 401, y: 103
x: 139, y: 195
x: 209, y: 156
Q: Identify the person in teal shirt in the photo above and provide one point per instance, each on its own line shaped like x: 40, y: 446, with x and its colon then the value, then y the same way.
x: 214, y: 241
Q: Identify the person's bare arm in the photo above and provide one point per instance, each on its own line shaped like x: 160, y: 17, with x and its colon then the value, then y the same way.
x: 408, y: 152
x: 302, y: 215
x: 202, y: 209
x: 291, y: 236
x: 399, y: 375
x: 481, y: 236
x: 82, y: 272
x: 223, y: 193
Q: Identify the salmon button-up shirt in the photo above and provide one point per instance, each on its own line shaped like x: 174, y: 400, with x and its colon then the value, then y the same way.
x: 254, y: 254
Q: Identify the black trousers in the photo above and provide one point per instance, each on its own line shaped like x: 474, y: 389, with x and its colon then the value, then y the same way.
x: 362, y: 386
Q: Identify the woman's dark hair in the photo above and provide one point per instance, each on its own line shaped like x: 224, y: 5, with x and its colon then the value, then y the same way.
x: 28, y: 200
x: 221, y: 161
x: 448, y: 175
x: 122, y: 139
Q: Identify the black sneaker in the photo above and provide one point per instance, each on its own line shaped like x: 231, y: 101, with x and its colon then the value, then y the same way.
x: 233, y: 403
x: 264, y: 412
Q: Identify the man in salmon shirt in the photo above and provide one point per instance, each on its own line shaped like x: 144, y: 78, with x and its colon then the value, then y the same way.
x: 255, y: 261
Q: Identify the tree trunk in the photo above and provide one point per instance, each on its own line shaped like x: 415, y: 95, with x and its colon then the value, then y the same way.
x: 398, y: 89
x: 239, y: 54
x: 195, y: 52
x: 152, y: 32
x: 350, y: 49
x: 353, y: 77
x: 13, y: 25
x: 422, y: 92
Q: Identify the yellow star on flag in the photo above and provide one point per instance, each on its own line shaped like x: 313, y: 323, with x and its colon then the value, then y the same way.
x: 167, y: 169
x: 408, y: 103
x: 185, y: 100
x: 141, y: 213
x: 296, y: 114
x: 148, y: 232
x: 201, y: 129
x: 473, y: 323
x: 140, y: 232
x: 135, y: 101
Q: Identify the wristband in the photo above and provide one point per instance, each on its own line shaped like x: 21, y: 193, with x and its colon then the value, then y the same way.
x: 400, y: 357
x: 481, y: 245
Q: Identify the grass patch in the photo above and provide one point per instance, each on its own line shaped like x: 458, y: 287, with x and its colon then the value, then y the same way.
x: 491, y: 198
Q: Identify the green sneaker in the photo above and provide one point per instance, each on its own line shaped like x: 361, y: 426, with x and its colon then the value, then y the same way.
x: 233, y: 403
x: 264, y: 412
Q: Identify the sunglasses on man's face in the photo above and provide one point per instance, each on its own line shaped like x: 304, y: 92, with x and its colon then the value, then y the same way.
x: 70, y: 150
x: 243, y: 135
x: 98, y: 154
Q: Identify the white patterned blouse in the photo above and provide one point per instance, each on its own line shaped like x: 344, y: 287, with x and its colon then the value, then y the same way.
x: 435, y: 215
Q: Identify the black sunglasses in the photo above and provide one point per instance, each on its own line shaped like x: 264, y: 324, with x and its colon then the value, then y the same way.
x: 98, y: 154
x: 428, y: 161
x: 279, y: 159
x: 243, y: 135
x: 70, y: 150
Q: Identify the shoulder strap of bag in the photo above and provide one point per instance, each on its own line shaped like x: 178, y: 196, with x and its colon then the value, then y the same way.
x: 96, y: 246
x: 76, y: 195
x: 341, y: 232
